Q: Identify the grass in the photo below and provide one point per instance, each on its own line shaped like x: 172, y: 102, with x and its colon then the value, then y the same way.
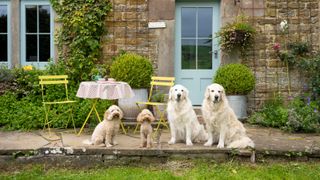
x: 175, y: 170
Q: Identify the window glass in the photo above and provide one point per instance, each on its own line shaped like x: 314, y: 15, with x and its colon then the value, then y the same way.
x: 188, y: 54
x: 4, y: 33
x: 188, y: 22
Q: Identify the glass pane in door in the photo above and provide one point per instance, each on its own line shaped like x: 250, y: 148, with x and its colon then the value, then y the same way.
x: 204, y: 54
x: 188, y: 54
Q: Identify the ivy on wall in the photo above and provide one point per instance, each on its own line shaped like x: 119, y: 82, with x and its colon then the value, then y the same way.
x: 79, y: 36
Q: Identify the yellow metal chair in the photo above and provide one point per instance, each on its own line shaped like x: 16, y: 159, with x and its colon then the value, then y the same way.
x: 44, y: 81
x: 156, y: 83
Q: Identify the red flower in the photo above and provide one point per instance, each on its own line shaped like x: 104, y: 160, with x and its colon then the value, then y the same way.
x: 276, y: 47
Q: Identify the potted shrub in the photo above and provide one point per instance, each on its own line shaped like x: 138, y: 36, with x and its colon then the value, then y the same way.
x: 136, y: 70
x: 237, y: 36
x: 237, y: 80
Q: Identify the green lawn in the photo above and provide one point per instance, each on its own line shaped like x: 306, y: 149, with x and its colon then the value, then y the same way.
x: 175, y: 170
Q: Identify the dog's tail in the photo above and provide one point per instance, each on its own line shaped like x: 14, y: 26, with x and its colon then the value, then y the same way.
x: 87, y: 142
x: 242, y: 143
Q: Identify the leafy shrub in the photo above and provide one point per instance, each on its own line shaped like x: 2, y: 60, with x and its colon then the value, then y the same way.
x: 303, y: 117
x: 133, y: 69
x: 6, y: 80
x: 27, y: 114
x: 237, y: 79
x: 299, y: 116
x: 273, y: 114
x: 28, y: 82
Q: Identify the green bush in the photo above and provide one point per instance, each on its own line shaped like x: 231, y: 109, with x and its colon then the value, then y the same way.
x: 133, y: 69
x: 303, y: 117
x: 237, y: 79
x: 273, y: 114
x: 22, y: 109
x: 298, y: 116
x: 26, y: 113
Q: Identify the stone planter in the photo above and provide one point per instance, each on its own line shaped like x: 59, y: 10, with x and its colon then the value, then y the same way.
x: 239, y: 105
x: 128, y: 105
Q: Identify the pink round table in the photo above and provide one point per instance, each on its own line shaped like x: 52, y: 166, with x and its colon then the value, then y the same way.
x: 103, y: 90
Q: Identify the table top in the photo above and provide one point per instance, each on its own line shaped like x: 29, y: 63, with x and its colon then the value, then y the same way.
x: 104, y: 90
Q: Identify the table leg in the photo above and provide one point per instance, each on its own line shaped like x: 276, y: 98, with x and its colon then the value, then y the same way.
x: 97, y: 114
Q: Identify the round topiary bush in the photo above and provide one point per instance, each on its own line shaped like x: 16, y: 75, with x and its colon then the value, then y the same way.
x: 133, y: 69
x: 237, y: 79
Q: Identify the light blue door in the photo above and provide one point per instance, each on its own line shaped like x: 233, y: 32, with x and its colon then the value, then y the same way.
x: 196, y: 50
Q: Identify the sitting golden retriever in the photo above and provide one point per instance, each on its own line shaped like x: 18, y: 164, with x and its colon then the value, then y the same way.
x: 184, y: 125
x: 221, y: 122
x: 105, y: 132
x: 145, y: 118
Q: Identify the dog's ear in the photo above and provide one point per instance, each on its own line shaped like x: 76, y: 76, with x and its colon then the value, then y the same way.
x: 187, y: 92
x: 207, y: 93
x: 139, y: 117
x: 152, y: 118
x: 223, y: 95
x: 171, y: 94
x: 121, y: 113
x: 106, y: 115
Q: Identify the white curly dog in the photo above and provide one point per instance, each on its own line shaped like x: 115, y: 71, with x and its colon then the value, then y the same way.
x: 105, y: 132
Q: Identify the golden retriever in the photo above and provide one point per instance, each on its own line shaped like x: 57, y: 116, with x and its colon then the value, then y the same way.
x: 221, y: 122
x: 105, y: 132
x: 183, y: 122
x: 145, y: 117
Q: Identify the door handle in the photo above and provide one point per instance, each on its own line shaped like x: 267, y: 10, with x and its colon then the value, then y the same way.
x: 215, y: 53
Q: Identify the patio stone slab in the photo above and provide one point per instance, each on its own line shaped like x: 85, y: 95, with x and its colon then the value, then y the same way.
x: 21, y: 140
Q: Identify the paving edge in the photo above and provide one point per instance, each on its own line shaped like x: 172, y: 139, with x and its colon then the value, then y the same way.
x: 90, y: 157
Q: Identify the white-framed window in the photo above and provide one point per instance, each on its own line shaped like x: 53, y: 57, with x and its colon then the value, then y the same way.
x: 36, y: 33
x: 5, y: 35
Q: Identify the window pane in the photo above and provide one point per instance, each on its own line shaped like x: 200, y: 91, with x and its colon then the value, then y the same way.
x: 44, y: 19
x: 205, y: 22
x: 3, y: 19
x: 31, y: 48
x: 3, y: 49
x: 188, y: 22
x: 44, y: 48
x: 188, y: 54
x: 31, y: 19
x: 205, y: 54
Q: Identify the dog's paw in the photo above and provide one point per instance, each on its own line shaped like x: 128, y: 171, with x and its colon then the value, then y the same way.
x: 108, y: 145
x: 115, y: 143
x: 208, y: 143
x: 189, y: 143
x: 220, y: 145
x: 172, y: 141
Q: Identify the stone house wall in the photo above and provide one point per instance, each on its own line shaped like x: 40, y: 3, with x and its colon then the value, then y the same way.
x: 128, y: 30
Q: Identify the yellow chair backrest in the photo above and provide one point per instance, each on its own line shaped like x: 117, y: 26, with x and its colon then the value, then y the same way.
x: 160, y: 81
x: 54, y: 79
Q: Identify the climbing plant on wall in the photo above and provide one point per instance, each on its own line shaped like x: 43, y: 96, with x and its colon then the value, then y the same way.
x: 79, y: 34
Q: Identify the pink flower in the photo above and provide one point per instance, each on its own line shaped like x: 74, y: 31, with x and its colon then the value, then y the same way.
x: 276, y: 47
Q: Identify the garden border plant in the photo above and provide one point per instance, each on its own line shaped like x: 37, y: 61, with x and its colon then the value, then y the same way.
x: 80, y: 34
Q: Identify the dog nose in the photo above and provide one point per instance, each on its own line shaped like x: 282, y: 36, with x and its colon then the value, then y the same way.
x: 216, y: 97
x: 178, y: 95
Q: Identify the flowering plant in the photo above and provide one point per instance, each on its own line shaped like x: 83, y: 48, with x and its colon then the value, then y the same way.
x: 27, y: 68
x: 238, y: 35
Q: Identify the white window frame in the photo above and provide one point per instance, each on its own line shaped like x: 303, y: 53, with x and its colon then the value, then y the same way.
x: 23, y: 61
x: 8, y: 63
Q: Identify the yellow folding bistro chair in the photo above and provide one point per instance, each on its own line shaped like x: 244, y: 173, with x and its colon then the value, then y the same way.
x: 157, y: 83
x: 55, y: 80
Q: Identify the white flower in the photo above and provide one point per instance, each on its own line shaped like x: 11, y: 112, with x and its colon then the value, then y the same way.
x: 284, y: 25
